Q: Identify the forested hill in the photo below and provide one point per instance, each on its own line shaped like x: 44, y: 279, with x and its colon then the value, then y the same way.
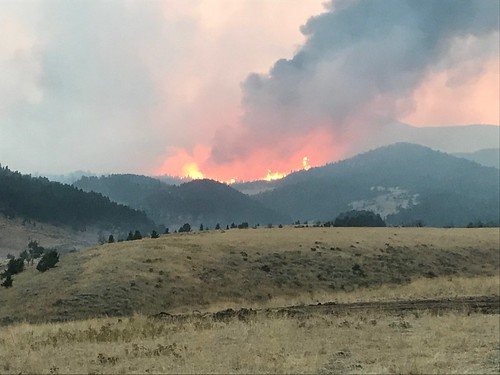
x: 52, y: 202
x: 403, y: 182
x: 197, y: 202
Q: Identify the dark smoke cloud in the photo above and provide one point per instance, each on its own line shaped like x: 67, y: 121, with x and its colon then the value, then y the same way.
x: 358, y: 67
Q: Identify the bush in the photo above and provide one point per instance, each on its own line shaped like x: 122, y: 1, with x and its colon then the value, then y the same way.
x: 49, y: 260
x: 137, y: 235
x: 359, y: 219
x: 111, y: 239
x: 15, y: 266
x: 243, y: 226
x: 185, y: 228
x: 7, y: 283
x: 154, y: 234
x: 35, y: 250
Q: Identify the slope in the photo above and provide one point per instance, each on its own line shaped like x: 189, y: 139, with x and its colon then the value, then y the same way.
x: 208, y: 271
x: 198, y: 202
x: 55, y: 203
x: 403, y: 182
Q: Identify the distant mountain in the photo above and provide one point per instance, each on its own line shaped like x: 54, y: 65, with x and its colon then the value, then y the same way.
x: 402, y: 182
x: 197, y: 202
x: 450, y: 139
x: 67, y: 178
x: 488, y: 157
x: 39, y: 199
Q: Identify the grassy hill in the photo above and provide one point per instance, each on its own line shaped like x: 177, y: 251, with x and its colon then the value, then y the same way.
x: 197, y: 202
x: 235, y: 268
x: 403, y: 182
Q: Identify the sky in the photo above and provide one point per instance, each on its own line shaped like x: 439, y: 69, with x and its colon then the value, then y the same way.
x: 234, y: 89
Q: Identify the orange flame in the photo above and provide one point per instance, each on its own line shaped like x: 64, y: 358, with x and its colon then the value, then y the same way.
x: 271, y: 176
x: 192, y: 170
x: 305, y: 163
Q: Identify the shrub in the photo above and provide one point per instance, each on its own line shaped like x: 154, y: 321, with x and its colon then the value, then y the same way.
x: 137, y: 235
x: 49, y: 260
x: 185, y: 228
x: 15, y: 266
x: 154, y: 234
x: 130, y: 236
x: 7, y: 283
x: 111, y: 239
x: 35, y: 250
x: 243, y: 226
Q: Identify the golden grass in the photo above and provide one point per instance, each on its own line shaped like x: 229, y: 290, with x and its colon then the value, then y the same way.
x: 211, y: 270
x: 354, y: 343
x: 217, y: 270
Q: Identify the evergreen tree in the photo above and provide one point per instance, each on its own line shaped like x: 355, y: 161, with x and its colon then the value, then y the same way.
x: 49, y: 260
x: 217, y: 226
x: 154, y: 234
x: 130, y: 236
x: 111, y: 239
x: 137, y: 235
x: 201, y: 227
x: 185, y: 228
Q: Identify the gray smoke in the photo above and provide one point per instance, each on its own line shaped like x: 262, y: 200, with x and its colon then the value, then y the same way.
x: 358, y: 67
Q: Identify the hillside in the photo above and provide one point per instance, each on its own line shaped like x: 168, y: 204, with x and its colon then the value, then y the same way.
x: 209, y: 271
x: 26, y: 197
x: 196, y: 202
x: 15, y: 234
x: 489, y: 157
x: 403, y: 182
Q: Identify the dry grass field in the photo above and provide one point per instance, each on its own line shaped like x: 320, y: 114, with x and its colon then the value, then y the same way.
x: 352, y: 343
x: 94, y: 312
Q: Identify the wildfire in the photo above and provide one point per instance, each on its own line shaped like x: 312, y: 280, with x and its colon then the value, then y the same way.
x: 191, y: 170
x: 305, y: 163
x: 274, y: 175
